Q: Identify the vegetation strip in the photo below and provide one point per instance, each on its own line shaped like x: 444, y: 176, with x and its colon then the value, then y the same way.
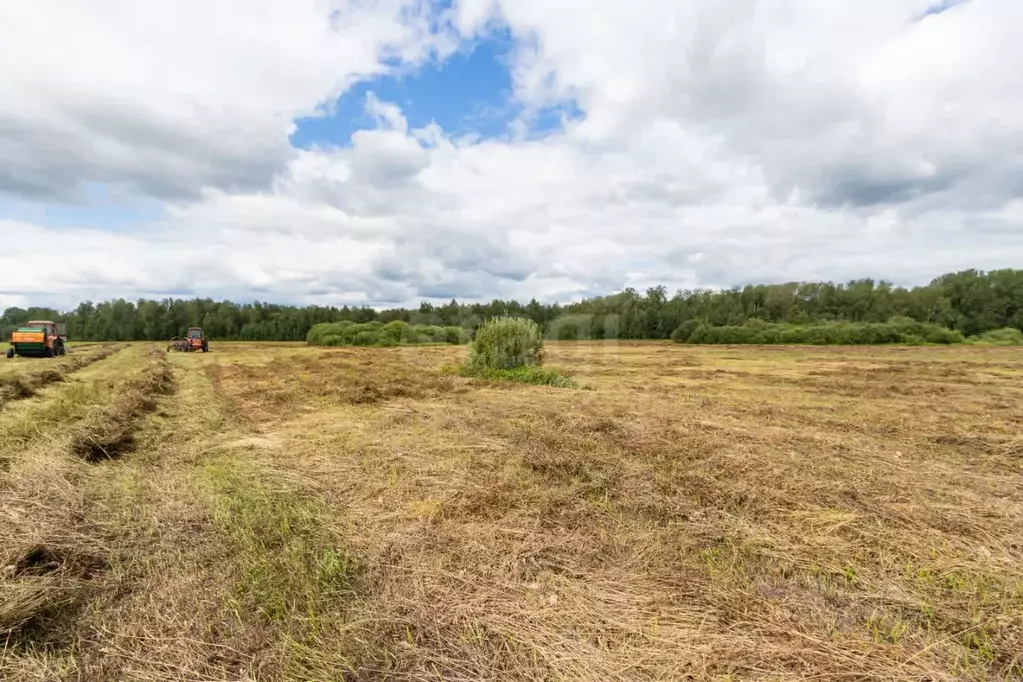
x: 396, y: 333
x: 20, y: 385
x: 108, y: 431
x: 970, y: 302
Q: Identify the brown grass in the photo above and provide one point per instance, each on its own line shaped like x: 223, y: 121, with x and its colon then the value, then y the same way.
x: 699, y: 513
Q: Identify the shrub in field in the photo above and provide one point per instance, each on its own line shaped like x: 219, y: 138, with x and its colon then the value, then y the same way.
x: 898, y: 330
x: 570, y: 328
x: 392, y: 333
x: 319, y: 333
x: 582, y: 327
x: 379, y: 334
x: 366, y: 338
x: 456, y: 335
x: 510, y: 349
x: 431, y: 333
x: 684, y: 331
x: 506, y: 343
x: 1007, y: 336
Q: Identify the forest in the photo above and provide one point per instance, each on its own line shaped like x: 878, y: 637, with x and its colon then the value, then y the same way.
x: 970, y: 302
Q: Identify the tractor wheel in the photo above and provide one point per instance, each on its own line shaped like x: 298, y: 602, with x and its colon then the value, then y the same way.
x: 59, y: 350
x: 9, y: 353
x: 47, y: 352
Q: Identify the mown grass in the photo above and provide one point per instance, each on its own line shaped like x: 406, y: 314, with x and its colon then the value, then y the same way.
x: 53, y: 561
x: 701, y: 513
x: 697, y: 501
x: 537, y: 376
x: 294, y: 571
x: 109, y: 430
x: 23, y: 378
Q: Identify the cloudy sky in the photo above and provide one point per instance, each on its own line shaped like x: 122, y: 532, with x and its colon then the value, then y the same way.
x: 389, y: 151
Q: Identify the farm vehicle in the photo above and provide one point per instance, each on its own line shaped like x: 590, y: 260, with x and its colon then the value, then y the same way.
x: 38, y: 339
x: 194, y: 341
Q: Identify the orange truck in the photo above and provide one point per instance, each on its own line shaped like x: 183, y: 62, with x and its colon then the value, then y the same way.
x: 39, y: 339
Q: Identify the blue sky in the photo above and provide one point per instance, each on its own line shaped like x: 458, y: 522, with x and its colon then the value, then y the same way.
x: 469, y: 93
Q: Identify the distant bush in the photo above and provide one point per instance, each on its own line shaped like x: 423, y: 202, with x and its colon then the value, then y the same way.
x: 570, y: 328
x: 378, y: 334
x: 684, y: 331
x: 898, y: 330
x: 506, y: 343
x: 366, y: 338
x: 456, y: 335
x: 1007, y: 336
x: 392, y: 333
x: 582, y: 327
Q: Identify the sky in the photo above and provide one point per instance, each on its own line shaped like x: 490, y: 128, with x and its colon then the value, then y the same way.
x: 386, y: 152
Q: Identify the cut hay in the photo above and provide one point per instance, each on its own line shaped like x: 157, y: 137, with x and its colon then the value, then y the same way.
x: 21, y: 385
x: 109, y: 431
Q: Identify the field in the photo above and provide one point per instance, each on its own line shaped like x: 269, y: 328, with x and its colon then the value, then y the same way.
x: 272, y: 511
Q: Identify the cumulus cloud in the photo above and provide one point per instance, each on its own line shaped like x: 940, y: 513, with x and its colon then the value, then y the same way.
x: 717, y: 142
x: 175, y: 98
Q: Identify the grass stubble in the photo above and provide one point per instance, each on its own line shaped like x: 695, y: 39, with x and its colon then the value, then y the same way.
x: 701, y: 513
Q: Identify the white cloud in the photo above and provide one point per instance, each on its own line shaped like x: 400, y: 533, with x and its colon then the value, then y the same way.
x: 720, y: 142
x: 173, y: 98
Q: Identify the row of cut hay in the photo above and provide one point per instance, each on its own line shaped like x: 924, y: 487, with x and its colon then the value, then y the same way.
x: 50, y: 562
x: 43, y: 588
x: 22, y: 385
x: 109, y: 431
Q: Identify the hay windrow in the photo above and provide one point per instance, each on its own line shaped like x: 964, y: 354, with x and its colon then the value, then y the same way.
x: 20, y: 385
x: 109, y: 431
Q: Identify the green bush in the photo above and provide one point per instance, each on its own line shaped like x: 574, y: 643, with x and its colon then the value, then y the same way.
x: 392, y: 333
x: 366, y: 338
x: 684, y: 331
x: 379, y: 334
x: 506, y: 343
x: 456, y: 335
x: 570, y: 328
x: 319, y: 333
x: 756, y: 331
x: 1007, y: 336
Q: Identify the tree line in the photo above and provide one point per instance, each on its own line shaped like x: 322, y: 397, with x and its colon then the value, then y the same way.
x: 970, y: 302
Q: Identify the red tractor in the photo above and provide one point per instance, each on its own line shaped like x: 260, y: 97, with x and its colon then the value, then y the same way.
x: 194, y: 341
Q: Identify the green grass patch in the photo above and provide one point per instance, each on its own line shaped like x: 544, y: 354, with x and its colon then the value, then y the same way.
x: 293, y: 569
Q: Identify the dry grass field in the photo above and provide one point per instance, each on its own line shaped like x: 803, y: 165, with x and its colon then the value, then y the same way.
x: 271, y: 511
